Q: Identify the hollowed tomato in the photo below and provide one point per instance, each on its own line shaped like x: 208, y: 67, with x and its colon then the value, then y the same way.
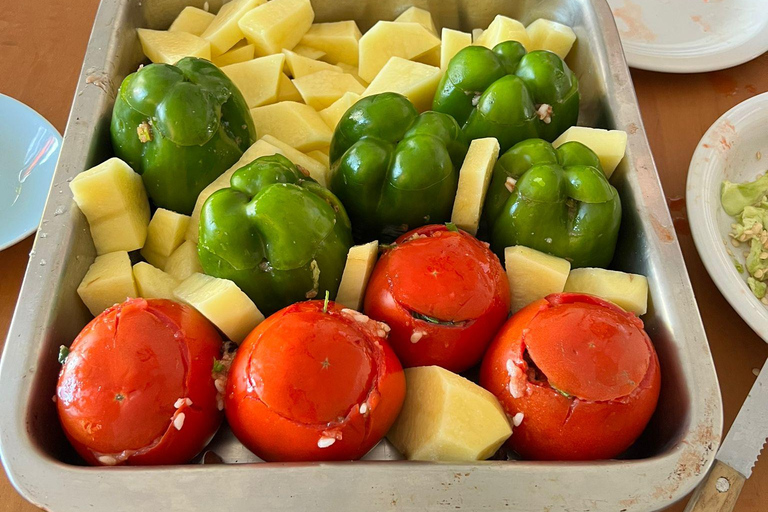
x: 582, y: 372
x: 314, y: 382
x: 443, y: 292
x: 136, y: 386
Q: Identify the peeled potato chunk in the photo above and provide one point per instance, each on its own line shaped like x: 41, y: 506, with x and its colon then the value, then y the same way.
x: 503, y: 29
x: 552, y: 36
x: 317, y: 171
x: 388, y: 39
x: 113, y: 199
x: 299, y: 66
x: 418, y: 15
x: 165, y: 234
x: 184, y: 261
x: 474, y: 177
x: 109, y: 281
x: 257, y: 79
x: 153, y: 283
x: 221, y: 302
x: 286, y: 91
x: 321, y: 157
x: 235, y: 55
x: 338, y: 39
x: 352, y: 70
x: 277, y: 25
x: 308, y: 52
x: 191, y: 20
x: 296, y: 124
x: 320, y: 90
x: 360, y: 262
x: 608, y: 145
x: 223, y: 32
x: 414, y: 80
x: 453, y: 42
x: 476, y: 34
x: 446, y: 417
x: 628, y: 291
x: 533, y: 275
x: 332, y: 114
x: 165, y: 47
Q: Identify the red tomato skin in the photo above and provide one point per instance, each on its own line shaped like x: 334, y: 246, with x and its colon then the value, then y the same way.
x: 277, y: 437
x: 468, y: 268
x: 87, y: 409
x: 556, y: 427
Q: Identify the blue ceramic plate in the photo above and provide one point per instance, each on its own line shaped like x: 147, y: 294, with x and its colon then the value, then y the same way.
x: 29, y: 149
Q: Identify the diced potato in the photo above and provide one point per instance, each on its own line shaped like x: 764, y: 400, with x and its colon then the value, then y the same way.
x: 321, y: 157
x: 296, y: 124
x: 170, y: 47
x: 192, y: 20
x: 235, y: 55
x: 257, y: 79
x: 339, y: 41
x: 417, y: 15
x: 608, y: 145
x: 533, y: 275
x: 153, y: 283
x: 414, y: 80
x: 114, y: 201
x: 165, y: 234
x: 453, y: 42
x: 474, y: 177
x: 221, y: 302
x: 184, y: 261
x: 320, y: 90
x: 476, y: 34
x: 299, y: 66
x: 224, y: 32
x: 446, y: 417
x: 352, y: 70
x: 357, y: 271
x: 277, y: 25
x: 286, y: 91
x: 332, y: 114
x: 317, y: 171
x: 109, y: 281
x: 628, y: 291
x: 503, y: 29
x: 552, y: 36
x: 431, y: 58
x: 308, y: 52
x: 388, y: 39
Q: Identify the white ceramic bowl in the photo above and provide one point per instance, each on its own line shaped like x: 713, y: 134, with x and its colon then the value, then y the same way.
x: 729, y: 150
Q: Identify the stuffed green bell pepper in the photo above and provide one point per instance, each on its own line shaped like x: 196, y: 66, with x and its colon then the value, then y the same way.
x: 509, y: 94
x: 394, y: 169
x: 180, y: 127
x: 557, y: 201
x: 278, y: 234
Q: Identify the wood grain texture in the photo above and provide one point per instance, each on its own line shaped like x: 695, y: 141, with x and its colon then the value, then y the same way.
x: 42, y: 44
x: 719, y: 492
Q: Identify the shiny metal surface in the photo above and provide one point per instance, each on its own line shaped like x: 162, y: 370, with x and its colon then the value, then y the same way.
x: 670, y: 458
x: 747, y: 435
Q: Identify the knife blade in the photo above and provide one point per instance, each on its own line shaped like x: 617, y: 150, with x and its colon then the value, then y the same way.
x: 738, y: 453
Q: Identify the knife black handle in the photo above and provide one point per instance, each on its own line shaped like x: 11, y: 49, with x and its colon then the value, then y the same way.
x: 718, y: 492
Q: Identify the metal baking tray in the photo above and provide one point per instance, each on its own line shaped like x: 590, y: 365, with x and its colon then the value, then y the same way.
x: 669, y: 459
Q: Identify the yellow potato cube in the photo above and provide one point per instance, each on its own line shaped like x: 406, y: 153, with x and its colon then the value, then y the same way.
x: 224, y: 32
x: 414, y: 80
x: 165, y: 234
x: 628, y: 291
x: 453, y: 42
x: 308, y: 52
x: 533, y: 275
x: 357, y: 271
x: 552, y: 36
x: 317, y: 171
x: 296, y: 124
x: 321, y: 157
x: 332, y: 114
x: 417, y: 15
x: 257, y: 79
x: 286, y: 91
x: 446, y: 417
x: 221, y: 302
x: 503, y: 29
x: 474, y: 177
x: 320, y: 90
x: 235, y: 55
x: 113, y: 199
x: 184, y: 261
x: 153, y: 283
x: 476, y: 33
x: 339, y: 40
x: 352, y: 70
x: 277, y: 25
x: 388, y: 39
x: 299, y: 66
x: 608, y: 145
x: 192, y: 20
x: 170, y: 47
x: 109, y: 281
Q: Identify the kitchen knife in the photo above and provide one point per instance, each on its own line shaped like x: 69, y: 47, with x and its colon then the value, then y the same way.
x: 737, y: 454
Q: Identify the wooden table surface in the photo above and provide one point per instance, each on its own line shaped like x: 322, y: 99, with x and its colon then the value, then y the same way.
x: 42, y: 44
